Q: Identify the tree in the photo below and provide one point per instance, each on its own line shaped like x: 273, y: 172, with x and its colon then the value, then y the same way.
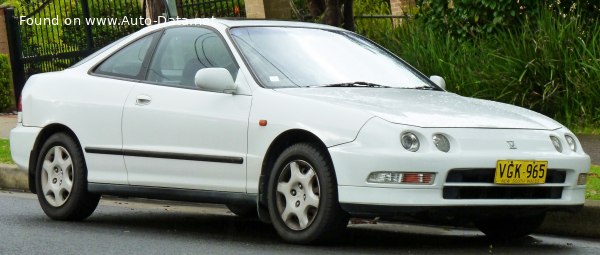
x: 337, y: 13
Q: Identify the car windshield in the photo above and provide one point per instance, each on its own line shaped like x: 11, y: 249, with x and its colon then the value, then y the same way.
x: 307, y: 57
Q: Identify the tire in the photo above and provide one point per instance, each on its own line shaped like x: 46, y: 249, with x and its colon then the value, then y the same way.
x: 510, y: 227
x: 244, y: 211
x: 302, y: 196
x: 61, y: 182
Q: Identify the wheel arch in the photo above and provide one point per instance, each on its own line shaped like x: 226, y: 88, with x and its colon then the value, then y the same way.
x: 46, y: 132
x: 280, y: 143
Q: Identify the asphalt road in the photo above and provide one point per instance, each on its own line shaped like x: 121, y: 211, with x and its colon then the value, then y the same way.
x: 134, y: 227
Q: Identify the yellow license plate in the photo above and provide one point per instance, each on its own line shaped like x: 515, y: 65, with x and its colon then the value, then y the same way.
x: 521, y: 172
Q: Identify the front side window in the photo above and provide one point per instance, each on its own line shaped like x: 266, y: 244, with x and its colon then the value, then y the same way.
x: 183, y: 51
x: 306, y: 57
x: 127, y: 62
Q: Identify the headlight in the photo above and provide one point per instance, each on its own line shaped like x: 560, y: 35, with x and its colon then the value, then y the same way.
x: 441, y: 142
x: 410, y: 141
x: 556, y: 143
x: 571, y: 142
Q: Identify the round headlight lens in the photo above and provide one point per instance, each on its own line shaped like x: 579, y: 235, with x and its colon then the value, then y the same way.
x: 410, y: 141
x: 556, y: 143
x: 441, y: 142
x: 571, y: 142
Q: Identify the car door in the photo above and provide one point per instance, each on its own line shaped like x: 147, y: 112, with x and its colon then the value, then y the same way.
x: 178, y: 136
x: 101, y: 108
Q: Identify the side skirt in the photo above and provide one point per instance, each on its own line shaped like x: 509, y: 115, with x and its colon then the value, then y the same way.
x: 186, y: 195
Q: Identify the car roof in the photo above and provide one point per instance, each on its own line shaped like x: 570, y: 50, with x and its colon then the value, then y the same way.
x: 229, y: 23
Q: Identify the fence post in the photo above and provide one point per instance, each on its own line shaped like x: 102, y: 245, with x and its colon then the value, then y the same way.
x: 14, y: 44
x: 88, y: 27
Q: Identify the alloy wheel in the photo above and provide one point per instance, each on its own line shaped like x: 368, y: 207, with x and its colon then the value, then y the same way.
x: 57, y: 176
x: 298, y: 194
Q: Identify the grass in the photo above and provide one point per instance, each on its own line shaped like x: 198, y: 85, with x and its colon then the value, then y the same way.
x: 5, y: 156
x: 593, y: 184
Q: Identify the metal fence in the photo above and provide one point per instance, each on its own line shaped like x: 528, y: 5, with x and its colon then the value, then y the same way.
x: 52, y: 35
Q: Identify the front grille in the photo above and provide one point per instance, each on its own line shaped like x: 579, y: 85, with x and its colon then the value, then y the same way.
x: 502, y: 192
x: 486, y: 176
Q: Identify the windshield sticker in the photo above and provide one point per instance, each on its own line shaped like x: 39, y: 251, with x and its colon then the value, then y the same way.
x: 274, y: 78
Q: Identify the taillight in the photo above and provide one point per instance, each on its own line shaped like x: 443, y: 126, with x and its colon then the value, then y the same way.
x: 20, y: 105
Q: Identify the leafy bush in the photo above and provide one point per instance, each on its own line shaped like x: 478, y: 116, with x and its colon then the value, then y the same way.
x: 6, y: 95
x: 467, y: 19
x: 371, y: 27
x: 549, y: 63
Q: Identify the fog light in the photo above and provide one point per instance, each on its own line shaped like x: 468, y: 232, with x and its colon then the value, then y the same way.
x: 556, y: 143
x: 571, y: 142
x: 441, y: 142
x: 401, y: 177
x: 582, y: 179
x: 410, y: 141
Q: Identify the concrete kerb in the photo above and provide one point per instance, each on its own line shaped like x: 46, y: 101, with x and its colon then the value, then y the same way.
x: 583, y: 224
x: 11, y: 177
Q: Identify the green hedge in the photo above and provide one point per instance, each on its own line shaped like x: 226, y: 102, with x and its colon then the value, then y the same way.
x: 6, y: 94
x: 549, y: 63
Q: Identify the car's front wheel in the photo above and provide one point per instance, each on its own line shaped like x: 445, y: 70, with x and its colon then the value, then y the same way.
x: 510, y: 227
x: 302, y: 196
x: 61, y: 180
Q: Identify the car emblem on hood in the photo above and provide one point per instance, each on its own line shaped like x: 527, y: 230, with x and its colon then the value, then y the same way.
x: 511, y: 145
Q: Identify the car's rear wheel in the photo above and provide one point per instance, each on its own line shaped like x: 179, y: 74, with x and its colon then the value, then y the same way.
x: 510, y: 227
x: 302, y: 196
x: 61, y: 180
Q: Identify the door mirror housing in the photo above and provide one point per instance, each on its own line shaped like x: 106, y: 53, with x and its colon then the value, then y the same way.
x: 438, y: 80
x: 215, y: 79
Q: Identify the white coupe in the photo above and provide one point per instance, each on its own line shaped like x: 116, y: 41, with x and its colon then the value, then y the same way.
x: 302, y: 125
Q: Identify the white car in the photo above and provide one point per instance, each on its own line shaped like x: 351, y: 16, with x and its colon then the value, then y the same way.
x: 304, y: 125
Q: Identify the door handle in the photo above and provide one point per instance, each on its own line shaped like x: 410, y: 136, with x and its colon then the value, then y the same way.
x: 143, y: 100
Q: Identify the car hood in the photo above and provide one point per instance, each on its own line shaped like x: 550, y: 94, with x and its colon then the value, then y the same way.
x: 424, y: 108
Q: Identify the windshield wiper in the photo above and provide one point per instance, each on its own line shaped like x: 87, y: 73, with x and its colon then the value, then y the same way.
x: 423, y: 88
x: 355, y: 84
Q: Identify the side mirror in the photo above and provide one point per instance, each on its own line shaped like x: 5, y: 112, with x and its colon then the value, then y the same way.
x: 438, y: 80
x: 215, y: 79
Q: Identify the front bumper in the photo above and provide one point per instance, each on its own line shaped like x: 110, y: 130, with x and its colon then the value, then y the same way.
x: 378, y: 148
x: 449, y: 215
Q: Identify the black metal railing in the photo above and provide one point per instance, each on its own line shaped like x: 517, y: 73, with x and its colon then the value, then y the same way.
x: 52, y: 35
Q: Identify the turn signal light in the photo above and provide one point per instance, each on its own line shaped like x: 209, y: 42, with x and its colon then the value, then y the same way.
x: 401, y: 178
x: 582, y: 179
